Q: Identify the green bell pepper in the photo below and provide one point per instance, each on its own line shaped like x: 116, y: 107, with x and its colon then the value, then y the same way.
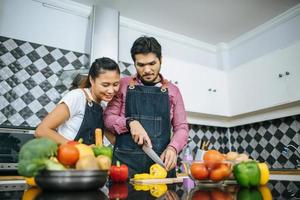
x: 247, y: 173
x: 101, y: 150
x: 249, y: 194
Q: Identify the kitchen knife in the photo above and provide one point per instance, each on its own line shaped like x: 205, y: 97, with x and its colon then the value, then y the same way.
x: 151, y: 153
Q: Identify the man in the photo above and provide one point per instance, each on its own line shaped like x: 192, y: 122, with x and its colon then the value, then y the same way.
x: 144, y: 110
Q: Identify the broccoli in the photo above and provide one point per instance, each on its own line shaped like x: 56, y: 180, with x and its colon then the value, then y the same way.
x: 34, y: 156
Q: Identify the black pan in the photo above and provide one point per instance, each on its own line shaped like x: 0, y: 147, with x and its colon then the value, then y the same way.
x: 71, y: 180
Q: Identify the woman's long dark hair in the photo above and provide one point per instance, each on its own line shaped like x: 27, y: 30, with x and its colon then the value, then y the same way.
x: 99, y: 66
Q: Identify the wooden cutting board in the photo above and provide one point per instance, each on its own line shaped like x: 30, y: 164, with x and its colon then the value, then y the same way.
x: 158, y: 181
x: 5, y: 178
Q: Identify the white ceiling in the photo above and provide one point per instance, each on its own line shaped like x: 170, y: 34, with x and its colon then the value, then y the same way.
x: 210, y: 21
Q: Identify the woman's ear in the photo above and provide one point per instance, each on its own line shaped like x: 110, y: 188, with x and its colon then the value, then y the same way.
x: 91, y: 80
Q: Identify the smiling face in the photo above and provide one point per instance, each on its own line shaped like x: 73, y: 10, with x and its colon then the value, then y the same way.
x: 148, y: 67
x: 105, y: 86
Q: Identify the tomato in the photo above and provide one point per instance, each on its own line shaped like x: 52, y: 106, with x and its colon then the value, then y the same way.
x: 220, y: 173
x: 201, y: 195
x: 213, y: 158
x: 218, y: 194
x: 199, y: 171
x: 67, y: 154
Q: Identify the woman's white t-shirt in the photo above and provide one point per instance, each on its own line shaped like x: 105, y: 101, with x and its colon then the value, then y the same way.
x: 75, y: 101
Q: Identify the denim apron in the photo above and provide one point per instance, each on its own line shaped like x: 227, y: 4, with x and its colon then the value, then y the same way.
x: 150, y: 106
x: 92, y: 119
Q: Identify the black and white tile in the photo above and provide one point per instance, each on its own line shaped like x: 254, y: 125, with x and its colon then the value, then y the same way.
x: 265, y: 141
x: 29, y: 73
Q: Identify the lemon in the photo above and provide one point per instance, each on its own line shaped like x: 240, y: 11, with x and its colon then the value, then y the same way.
x: 264, y: 173
x: 158, y: 190
x: 84, y: 150
x: 265, y: 192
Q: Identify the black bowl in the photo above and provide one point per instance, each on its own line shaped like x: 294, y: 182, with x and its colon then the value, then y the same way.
x: 71, y: 180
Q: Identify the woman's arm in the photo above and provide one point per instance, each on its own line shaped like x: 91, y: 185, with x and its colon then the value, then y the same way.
x: 110, y: 137
x: 47, y: 128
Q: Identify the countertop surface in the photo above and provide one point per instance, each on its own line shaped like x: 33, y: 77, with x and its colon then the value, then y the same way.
x: 279, y: 189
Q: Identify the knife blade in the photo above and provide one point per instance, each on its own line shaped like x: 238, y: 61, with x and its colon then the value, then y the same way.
x: 151, y: 153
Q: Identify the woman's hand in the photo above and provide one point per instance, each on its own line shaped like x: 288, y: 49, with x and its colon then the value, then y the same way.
x: 139, y: 134
x: 169, y: 156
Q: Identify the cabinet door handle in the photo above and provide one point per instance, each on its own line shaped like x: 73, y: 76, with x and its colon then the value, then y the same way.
x: 287, y: 73
x: 280, y: 75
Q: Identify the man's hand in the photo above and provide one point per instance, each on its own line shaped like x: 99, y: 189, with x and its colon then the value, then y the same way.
x: 139, y: 134
x: 169, y: 156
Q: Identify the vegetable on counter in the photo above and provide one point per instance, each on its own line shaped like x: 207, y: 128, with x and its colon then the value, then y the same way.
x: 102, y: 150
x: 34, y: 156
x: 249, y: 194
x: 247, y: 174
x: 118, y: 191
x: 264, y: 173
x: 119, y: 173
x: 67, y: 154
x: 158, y: 171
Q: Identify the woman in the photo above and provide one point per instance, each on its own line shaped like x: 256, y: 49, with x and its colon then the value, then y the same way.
x: 79, y: 112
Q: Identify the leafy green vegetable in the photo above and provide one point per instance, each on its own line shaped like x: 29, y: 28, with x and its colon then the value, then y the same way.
x: 34, y: 156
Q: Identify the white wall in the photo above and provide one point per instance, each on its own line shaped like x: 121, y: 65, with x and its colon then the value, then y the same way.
x: 30, y: 21
x: 278, y: 33
x: 170, y: 47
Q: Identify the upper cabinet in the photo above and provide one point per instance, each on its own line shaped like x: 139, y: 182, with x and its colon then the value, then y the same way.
x: 265, y: 82
x: 204, y: 90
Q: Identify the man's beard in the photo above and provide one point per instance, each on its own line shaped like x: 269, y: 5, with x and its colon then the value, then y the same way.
x: 150, y: 81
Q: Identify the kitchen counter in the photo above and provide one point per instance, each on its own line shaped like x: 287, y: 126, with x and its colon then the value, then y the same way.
x: 17, y: 189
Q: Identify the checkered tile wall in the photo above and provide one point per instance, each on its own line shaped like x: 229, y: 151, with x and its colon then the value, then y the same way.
x: 265, y: 141
x: 29, y: 73
x: 28, y: 76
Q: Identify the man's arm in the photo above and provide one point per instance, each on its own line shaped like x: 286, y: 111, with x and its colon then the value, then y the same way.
x: 180, y: 125
x: 180, y: 132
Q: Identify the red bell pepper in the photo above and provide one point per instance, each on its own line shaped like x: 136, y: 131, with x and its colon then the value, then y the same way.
x: 118, y: 191
x: 118, y: 173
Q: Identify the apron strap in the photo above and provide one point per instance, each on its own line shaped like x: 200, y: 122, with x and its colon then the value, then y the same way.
x: 89, y: 100
x: 132, y: 82
x: 164, y: 82
x: 164, y: 85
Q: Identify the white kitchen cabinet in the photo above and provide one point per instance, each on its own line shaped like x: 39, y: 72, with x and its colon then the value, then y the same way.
x: 204, y: 90
x: 264, y: 83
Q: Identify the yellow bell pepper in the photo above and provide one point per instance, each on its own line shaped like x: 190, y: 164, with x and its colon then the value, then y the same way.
x: 141, y: 187
x: 264, y: 173
x: 265, y: 192
x: 158, y: 190
x: 142, y: 176
x: 158, y: 171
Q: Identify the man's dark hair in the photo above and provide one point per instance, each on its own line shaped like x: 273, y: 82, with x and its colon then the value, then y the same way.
x: 146, y: 45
